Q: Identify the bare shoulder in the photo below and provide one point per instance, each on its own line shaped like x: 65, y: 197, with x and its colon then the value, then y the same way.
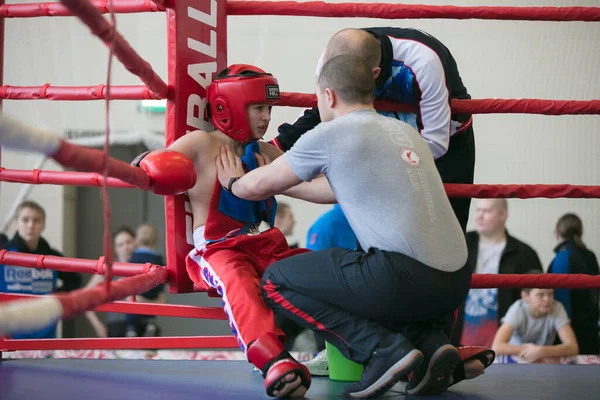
x: 193, y: 144
x: 197, y: 136
x: 271, y: 151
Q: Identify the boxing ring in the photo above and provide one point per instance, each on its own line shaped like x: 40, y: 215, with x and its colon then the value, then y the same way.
x: 197, y: 49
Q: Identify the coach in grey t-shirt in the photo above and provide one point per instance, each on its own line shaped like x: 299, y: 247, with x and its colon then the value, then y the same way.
x: 409, y: 214
x: 389, y: 304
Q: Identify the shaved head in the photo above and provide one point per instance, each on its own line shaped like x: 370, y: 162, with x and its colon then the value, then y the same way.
x: 499, y: 204
x: 490, y: 217
x: 356, y: 42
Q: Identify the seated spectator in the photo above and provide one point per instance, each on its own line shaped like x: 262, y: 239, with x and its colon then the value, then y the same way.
x: 331, y: 230
x: 285, y: 222
x: 530, y: 327
x: 123, y: 244
x: 581, y: 305
x: 146, y: 238
x: 31, y: 222
x: 491, y: 251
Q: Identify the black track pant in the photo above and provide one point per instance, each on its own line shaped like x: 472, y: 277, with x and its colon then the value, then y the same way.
x: 458, y: 166
x: 354, y: 299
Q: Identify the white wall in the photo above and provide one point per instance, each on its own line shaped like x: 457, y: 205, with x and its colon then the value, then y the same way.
x: 500, y: 59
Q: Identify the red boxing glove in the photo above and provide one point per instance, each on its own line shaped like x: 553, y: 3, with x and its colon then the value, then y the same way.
x: 170, y: 172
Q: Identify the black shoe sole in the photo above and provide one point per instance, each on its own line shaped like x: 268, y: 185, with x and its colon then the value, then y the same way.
x: 392, y: 376
x: 439, y: 371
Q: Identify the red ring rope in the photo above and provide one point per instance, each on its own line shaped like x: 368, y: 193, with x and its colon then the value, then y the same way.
x: 164, y: 310
x: 66, y: 264
x: 107, y: 243
x: 292, y: 99
x: 59, y: 178
x: 410, y: 11
x: 53, y: 9
x: 474, y: 106
x: 332, y: 10
x: 86, y: 159
x: 452, y: 189
x: 81, y: 300
x: 161, y: 4
x: 521, y: 191
x: 122, y: 50
x: 177, y: 342
x: 556, y: 281
x: 77, y: 93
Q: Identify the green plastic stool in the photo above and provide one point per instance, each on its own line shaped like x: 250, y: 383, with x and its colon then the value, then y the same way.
x: 340, y: 368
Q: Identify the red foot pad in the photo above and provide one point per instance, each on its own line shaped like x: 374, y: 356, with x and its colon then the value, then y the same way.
x: 277, y: 372
x: 469, y: 353
x: 480, y: 353
x: 268, y: 354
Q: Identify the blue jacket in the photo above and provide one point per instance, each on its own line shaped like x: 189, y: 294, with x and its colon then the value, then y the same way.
x: 331, y: 230
x: 581, y: 304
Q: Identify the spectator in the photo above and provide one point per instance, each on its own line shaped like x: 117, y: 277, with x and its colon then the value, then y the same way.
x: 145, y: 325
x: 581, y: 305
x: 530, y: 326
x: 491, y: 251
x: 124, y: 244
x: 31, y: 222
x: 285, y: 222
x: 331, y: 230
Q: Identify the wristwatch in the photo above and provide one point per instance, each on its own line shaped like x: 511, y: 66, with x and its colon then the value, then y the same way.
x: 231, y: 182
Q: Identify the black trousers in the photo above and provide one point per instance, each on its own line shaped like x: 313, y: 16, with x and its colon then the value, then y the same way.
x: 458, y: 166
x: 354, y: 299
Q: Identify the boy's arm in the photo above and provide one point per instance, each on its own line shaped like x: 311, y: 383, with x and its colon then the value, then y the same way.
x: 500, y: 344
x: 568, y: 347
x: 562, y: 324
x: 172, y: 171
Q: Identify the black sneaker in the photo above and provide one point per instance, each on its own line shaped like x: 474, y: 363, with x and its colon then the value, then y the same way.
x: 388, y: 364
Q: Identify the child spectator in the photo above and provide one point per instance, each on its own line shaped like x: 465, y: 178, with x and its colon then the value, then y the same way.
x: 530, y: 326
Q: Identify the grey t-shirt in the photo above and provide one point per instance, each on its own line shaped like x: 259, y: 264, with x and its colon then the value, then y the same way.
x: 539, y: 331
x: 386, y: 182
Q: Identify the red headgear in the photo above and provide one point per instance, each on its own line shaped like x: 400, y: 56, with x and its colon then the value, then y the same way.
x: 230, y: 93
